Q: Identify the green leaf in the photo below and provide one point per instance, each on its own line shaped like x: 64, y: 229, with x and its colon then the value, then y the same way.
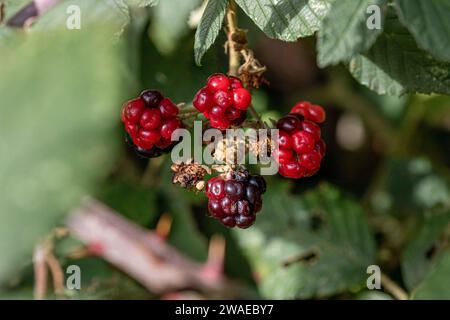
x: 315, y: 245
x: 170, y: 23
x: 143, y: 3
x: 435, y: 285
x: 395, y: 65
x: 429, y: 23
x: 410, y: 186
x: 286, y: 20
x: 420, y: 255
x: 61, y: 97
x: 209, y: 27
x: 344, y: 32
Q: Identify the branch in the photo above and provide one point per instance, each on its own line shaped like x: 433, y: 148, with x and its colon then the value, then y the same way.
x: 142, y: 254
x: 30, y: 12
x: 234, y: 55
x: 394, y: 289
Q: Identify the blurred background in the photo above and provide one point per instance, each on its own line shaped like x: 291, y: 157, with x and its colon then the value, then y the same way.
x: 382, y: 195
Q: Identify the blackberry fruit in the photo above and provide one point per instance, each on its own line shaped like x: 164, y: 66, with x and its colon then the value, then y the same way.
x: 149, y: 122
x: 301, y: 147
x: 236, y: 198
x: 223, y: 101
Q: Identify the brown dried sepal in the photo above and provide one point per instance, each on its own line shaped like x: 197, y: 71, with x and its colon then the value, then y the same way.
x: 189, y: 175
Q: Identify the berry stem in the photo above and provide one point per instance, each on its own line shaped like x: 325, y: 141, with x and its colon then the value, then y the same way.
x: 234, y: 56
x: 256, y: 116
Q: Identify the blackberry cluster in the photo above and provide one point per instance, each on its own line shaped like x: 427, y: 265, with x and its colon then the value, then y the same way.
x: 301, y: 148
x: 149, y: 122
x: 223, y: 101
x: 235, y: 199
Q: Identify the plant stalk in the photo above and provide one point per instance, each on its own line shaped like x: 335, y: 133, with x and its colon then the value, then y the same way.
x: 234, y: 56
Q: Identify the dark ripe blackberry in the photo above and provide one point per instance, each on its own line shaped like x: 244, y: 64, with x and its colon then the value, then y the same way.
x: 229, y: 207
x: 234, y: 189
x: 259, y: 182
x: 257, y: 205
x: 289, y: 124
x: 243, y: 207
x: 237, y: 122
x: 252, y: 193
x: 235, y: 197
x: 152, y: 98
x: 215, y: 208
x: 244, y: 222
x: 229, y: 221
x: 152, y: 153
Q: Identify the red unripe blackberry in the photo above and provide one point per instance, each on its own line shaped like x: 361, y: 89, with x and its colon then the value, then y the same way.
x: 235, y: 83
x: 149, y: 122
x: 312, y: 128
x: 310, y: 161
x: 149, y: 136
x: 215, y: 188
x: 203, y: 100
x: 232, y: 114
x: 301, y: 148
x: 216, y: 112
x: 303, y: 142
x: 310, y: 111
x: 220, y: 124
x: 169, y: 126
x: 223, y: 101
x: 218, y: 82
x: 283, y: 155
x: 242, y: 99
x: 235, y: 198
x: 168, y: 108
x: 223, y: 98
x: 133, y: 110
x: 131, y: 129
x: 292, y: 169
x: 150, y: 119
x: 284, y: 140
